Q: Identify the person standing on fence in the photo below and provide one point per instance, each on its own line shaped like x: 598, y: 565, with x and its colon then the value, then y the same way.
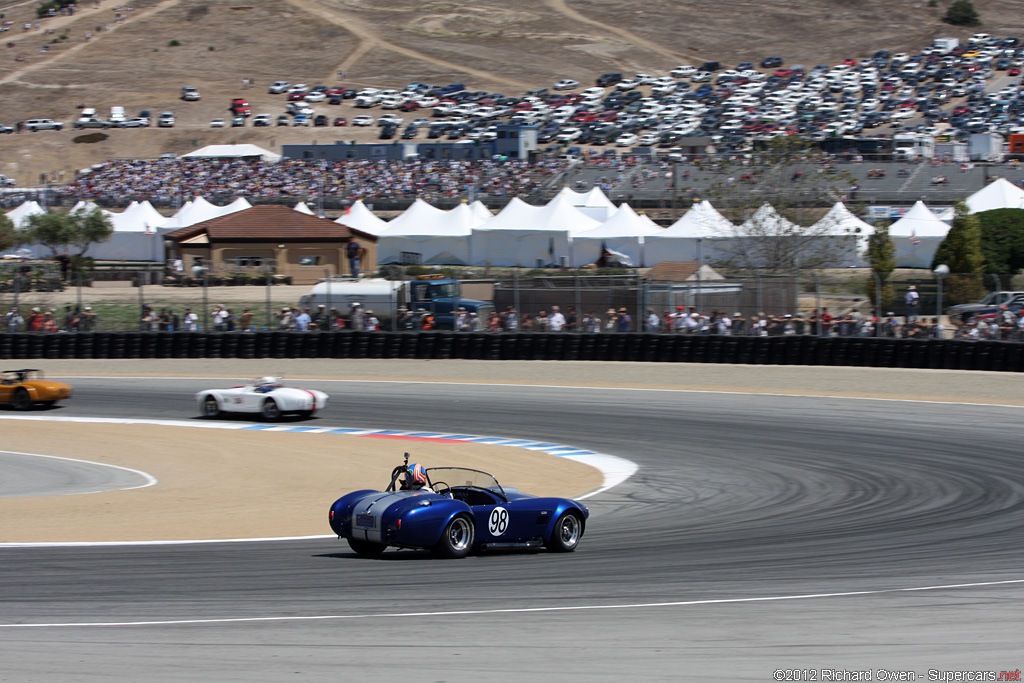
x: 511, y: 320
x: 625, y: 321
x: 87, y: 323
x: 220, y: 316
x: 13, y: 320
x: 191, y: 322
x: 354, y: 252
x: 35, y: 320
x: 357, y: 317
x: 912, y: 299
x: 652, y: 323
x: 571, y: 319
x: 556, y: 321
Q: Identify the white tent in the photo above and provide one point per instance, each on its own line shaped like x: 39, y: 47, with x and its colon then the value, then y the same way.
x: 688, y: 236
x: 19, y: 214
x: 481, y: 212
x: 999, y: 194
x: 302, y: 208
x: 195, y: 211
x: 917, y: 236
x: 83, y: 205
x: 593, y: 203
x: 240, y: 204
x: 848, y: 233
x: 360, y: 218
x: 624, y: 232
x: 232, y: 152
x: 525, y: 235
x: 426, y: 234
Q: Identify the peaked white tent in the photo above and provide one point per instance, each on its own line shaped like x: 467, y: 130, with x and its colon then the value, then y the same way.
x: 624, y: 232
x: 848, y: 234
x: 19, y: 214
x: 429, y: 233
x: 232, y: 152
x: 240, y: 204
x: 481, y: 213
x: 84, y: 205
x: 525, y: 235
x: 917, y: 236
x: 999, y: 194
x: 302, y: 208
x: 195, y: 211
x: 358, y: 217
x: 593, y: 203
x: 688, y: 236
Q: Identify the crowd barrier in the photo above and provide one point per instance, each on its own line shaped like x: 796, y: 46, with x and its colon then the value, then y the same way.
x: 948, y: 354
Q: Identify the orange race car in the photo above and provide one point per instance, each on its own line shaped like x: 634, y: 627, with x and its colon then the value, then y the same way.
x: 24, y: 389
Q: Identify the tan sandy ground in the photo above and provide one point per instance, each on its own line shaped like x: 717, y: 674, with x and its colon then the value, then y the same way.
x: 239, y: 484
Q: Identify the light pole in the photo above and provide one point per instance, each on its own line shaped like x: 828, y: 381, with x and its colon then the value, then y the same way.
x: 940, y: 273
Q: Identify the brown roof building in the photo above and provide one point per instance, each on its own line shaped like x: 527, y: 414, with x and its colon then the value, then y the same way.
x: 302, y: 247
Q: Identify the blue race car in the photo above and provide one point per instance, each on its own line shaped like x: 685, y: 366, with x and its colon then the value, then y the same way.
x: 451, y: 511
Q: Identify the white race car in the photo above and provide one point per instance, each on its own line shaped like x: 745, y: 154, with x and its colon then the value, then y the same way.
x: 266, y: 396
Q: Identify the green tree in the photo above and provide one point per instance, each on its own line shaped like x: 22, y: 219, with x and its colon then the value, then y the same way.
x: 962, y: 13
x: 8, y: 235
x: 1002, y: 240
x: 961, y: 251
x: 882, y: 257
x: 60, y: 231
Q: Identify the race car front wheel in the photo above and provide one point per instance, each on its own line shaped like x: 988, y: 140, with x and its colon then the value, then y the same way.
x: 567, y: 533
x: 457, y: 539
x: 210, y: 407
x: 270, y: 409
x: 21, y: 400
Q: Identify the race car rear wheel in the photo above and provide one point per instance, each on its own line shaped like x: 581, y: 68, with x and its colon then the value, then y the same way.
x: 270, y: 409
x: 210, y: 407
x: 367, y: 548
x: 567, y: 533
x: 21, y: 400
x: 457, y: 539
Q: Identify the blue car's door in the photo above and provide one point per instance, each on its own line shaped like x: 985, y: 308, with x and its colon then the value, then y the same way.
x: 500, y: 521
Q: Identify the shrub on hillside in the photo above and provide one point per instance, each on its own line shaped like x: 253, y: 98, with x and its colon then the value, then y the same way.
x: 962, y: 13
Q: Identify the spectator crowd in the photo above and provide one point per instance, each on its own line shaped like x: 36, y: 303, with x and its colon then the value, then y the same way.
x: 166, y: 179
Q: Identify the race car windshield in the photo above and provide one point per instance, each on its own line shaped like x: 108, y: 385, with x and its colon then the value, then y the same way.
x: 459, y: 476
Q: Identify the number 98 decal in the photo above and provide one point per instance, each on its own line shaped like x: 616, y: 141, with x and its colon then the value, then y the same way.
x: 498, y: 521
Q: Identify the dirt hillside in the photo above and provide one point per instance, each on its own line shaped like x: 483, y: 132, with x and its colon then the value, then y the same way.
x: 140, y: 58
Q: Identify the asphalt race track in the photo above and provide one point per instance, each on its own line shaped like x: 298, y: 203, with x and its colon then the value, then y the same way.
x: 761, y: 533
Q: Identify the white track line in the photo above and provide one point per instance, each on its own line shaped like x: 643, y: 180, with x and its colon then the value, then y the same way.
x: 520, y: 610
x: 614, y: 470
x: 149, y: 478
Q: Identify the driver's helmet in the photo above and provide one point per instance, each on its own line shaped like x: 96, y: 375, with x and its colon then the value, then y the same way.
x: 415, y: 477
x: 267, y: 382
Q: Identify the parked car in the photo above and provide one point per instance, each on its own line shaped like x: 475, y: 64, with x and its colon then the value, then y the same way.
x: 237, y: 121
x: 362, y: 121
x: 135, y: 122
x: 340, y: 121
x: 166, y: 120
x: 320, y: 121
x: 90, y: 123
x: 43, y: 124
x: 7, y: 182
x: 283, y: 120
x: 566, y: 84
x: 217, y: 123
x: 190, y: 93
x: 240, y: 107
x: 301, y: 120
x: 261, y: 120
x: 278, y: 87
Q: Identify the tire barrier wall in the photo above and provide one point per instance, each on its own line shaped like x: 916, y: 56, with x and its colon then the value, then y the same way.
x: 936, y: 354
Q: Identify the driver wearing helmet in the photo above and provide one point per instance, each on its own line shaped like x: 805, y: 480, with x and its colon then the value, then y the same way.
x: 265, y: 385
x: 415, y: 478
